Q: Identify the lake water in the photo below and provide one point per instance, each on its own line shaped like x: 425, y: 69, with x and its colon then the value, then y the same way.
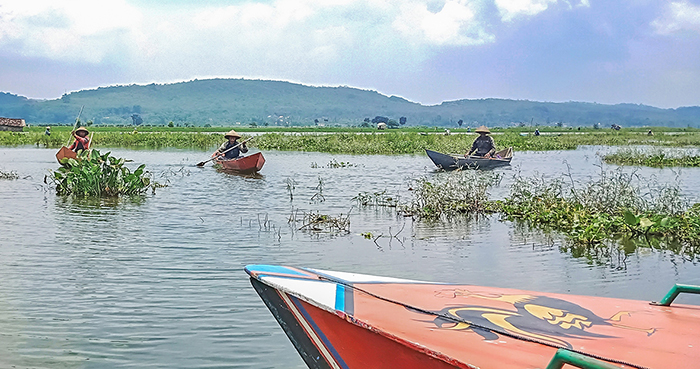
x: 159, y: 282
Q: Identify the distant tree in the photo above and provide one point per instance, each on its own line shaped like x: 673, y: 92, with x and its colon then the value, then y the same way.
x: 560, y: 124
x: 316, y: 120
x: 136, y: 119
x: 402, y: 120
x: 380, y: 119
x: 365, y: 124
x: 171, y: 125
x: 366, y: 120
x: 460, y: 122
x: 392, y: 124
x: 88, y: 123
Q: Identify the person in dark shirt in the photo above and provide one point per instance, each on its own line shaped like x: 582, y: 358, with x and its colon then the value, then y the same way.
x: 232, y: 137
x: 483, y: 145
x: 82, y: 142
x: 48, y: 131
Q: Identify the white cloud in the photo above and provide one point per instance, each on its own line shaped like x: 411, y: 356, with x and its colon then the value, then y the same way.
x: 512, y: 9
x: 454, y: 24
x: 678, y: 16
x: 65, y: 30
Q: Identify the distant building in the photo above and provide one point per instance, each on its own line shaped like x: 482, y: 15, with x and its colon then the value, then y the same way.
x: 9, y: 124
x: 381, y: 125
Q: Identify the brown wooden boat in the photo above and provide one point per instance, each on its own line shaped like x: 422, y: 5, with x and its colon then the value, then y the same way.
x: 64, y: 154
x: 246, y: 165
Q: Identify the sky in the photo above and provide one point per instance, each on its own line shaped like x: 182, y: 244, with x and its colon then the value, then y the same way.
x: 427, y: 51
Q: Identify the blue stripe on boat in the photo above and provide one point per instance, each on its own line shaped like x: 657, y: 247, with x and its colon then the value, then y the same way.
x: 263, y: 269
x: 339, y: 297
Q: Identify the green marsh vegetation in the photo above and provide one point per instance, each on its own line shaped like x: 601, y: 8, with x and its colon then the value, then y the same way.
x: 614, y: 210
x: 656, y: 157
x: 413, y: 140
x: 100, y: 175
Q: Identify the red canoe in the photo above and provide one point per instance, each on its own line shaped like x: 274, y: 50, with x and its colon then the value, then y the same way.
x: 347, y: 320
x: 247, y: 164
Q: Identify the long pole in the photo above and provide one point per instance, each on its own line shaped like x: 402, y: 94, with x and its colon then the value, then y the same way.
x: 75, y: 125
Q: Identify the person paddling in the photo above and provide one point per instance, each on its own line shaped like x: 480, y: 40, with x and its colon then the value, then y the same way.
x: 483, y: 145
x: 82, y: 142
x: 232, y: 137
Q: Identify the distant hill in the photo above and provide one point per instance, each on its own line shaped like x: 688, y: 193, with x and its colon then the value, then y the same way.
x: 224, y: 102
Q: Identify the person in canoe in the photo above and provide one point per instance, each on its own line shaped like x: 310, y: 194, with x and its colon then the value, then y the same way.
x: 232, y: 137
x: 483, y: 145
x: 82, y: 142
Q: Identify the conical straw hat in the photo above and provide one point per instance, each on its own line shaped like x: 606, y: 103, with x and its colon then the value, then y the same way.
x: 82, y: 129
x: 482, y: 129
x: 232, y: 133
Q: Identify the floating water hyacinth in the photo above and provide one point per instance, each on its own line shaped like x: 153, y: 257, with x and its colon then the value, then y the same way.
x: 101, y: 175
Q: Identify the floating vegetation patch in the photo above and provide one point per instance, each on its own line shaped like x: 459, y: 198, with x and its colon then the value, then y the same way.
x: 656, y: 158
x: 11, y: 175
x: 381, y: 199
x: 317, y: 222
x: 335, y: 164
x: 101, y: 175
x: 613, y: 207
x: 452, y: 193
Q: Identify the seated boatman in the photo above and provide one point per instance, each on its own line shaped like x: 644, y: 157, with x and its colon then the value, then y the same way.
x: 232, y: 137
x: 483, y: 145
x: 82, y: 142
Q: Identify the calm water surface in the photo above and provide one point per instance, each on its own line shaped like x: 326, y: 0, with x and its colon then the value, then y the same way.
x: 159, y: 282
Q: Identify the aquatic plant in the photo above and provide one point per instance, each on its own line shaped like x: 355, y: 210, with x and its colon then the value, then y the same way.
x: 101, y: 175
x: 11, y: 175
x: 381, y: 199
x: 451, y: 193
x: 611, y: 207
x: 653, y: 158
x: 317, y: 222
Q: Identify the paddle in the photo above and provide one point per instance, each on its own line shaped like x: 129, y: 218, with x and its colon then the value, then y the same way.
x: 201, y: 164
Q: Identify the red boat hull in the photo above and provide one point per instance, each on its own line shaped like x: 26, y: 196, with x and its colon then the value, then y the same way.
x: 245, y: 165
x: 347, y: 320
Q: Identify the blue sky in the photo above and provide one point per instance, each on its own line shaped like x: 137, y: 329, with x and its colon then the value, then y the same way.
x: 428, y: 51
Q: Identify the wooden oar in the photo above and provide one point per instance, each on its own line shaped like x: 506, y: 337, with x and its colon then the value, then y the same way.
x: 201, y: 164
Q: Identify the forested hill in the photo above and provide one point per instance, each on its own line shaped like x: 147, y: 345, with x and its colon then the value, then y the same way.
x: 225, y: 102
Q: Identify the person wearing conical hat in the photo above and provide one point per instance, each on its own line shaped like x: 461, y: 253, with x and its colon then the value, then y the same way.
x: 82, y: 142
x: 483, y: 145
x: 234, y: 153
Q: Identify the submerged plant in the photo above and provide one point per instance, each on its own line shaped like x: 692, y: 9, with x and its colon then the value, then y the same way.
x: 101, y: 175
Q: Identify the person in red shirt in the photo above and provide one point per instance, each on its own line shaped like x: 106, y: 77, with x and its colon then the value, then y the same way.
x: 82, y: 142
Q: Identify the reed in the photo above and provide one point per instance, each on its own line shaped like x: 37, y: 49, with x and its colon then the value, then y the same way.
x: 101, y: 175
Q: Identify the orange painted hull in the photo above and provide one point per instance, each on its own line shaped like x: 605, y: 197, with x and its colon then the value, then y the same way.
x: 355, y: 321
x: 246, y: 164
x: 65, y: 153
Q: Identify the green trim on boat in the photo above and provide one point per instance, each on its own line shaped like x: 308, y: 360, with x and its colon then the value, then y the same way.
x: 675, y: 291
x: 578, y: 360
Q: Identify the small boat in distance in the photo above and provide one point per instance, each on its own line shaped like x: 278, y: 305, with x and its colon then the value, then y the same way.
x: 452, y: 161
x: 348, y: 320
x: 244, y: 165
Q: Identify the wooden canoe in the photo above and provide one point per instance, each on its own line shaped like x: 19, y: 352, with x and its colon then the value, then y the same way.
x: 65, y: 153
x: 246, y: 165
x: 452, y: 161
x: 348, y: 320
